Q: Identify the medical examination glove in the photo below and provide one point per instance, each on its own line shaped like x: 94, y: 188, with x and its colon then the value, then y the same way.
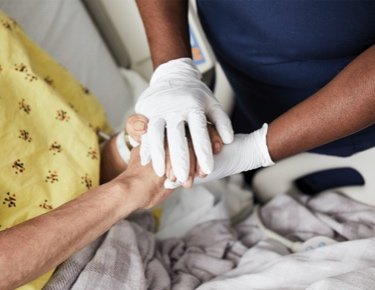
x: 176, y: 96
x: 246, y: 152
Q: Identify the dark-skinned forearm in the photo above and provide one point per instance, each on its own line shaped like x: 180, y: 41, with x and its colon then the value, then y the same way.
x: 344, y: 106
x: 166, y: 26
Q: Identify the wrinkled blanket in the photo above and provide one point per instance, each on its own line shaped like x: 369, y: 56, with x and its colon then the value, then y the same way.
x: 218, y: 255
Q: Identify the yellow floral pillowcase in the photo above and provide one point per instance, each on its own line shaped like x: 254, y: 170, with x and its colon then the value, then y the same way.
x: 48, y: 123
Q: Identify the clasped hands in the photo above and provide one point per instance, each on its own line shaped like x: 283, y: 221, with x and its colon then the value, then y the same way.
x: 246, y: 152
x: 137, y: 126
x: 177, y: 99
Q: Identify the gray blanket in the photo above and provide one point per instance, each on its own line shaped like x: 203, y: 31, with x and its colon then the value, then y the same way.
x: 217, y: 255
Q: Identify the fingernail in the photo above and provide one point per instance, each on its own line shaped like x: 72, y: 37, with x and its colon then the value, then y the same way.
x: 217, y: 147
x: 139, y: 126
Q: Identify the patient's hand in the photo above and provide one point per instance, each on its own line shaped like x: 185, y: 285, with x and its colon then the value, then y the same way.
x: 136, y: 126
x: 147, y: 189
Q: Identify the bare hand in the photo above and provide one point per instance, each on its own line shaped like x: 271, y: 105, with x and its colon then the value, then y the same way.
x: 147, y: 188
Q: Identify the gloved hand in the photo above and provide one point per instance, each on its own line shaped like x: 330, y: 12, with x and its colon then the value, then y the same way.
x: 246, y: 152
x: 177, y: 96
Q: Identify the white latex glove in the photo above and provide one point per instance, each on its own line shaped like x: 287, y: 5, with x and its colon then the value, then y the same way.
x: 176, y: 96
x: 246, y: 152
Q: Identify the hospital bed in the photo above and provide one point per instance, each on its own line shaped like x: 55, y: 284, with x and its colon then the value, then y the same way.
x: 103, y: 43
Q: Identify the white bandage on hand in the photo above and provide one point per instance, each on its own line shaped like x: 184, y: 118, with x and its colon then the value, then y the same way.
x: 246, y: 152
x: 122, y: 148
x: 176, y: 96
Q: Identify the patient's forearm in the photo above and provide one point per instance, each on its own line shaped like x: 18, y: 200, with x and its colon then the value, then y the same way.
x: 34, y: 247
x: 343, y: 107
x: 166, y: 27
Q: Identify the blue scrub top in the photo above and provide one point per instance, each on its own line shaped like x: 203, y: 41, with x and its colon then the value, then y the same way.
x: 276, y: 53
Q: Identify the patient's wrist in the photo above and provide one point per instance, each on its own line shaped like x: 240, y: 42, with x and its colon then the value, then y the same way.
x: 137, y: 193
x: 125, y: 189
x: 123, y: 148
x: 111, y: 162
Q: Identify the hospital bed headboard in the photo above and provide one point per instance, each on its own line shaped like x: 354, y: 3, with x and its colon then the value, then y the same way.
x: 281, y: 177
x: 122, y: 28
x: 107, y: 28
